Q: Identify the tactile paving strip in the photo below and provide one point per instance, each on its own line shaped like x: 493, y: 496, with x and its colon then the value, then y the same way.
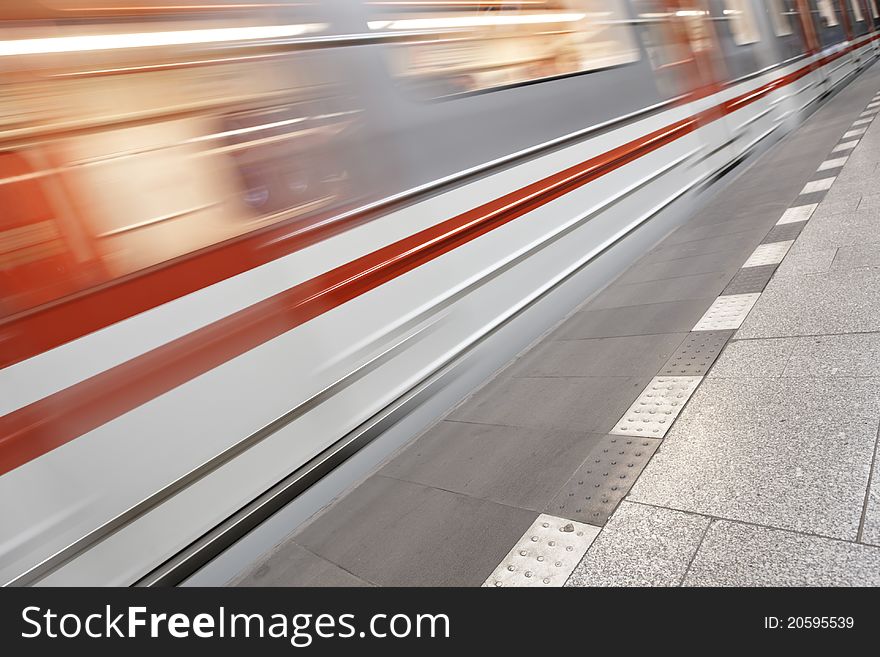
x: 835, y: 163
x: 545, y: 555
x: 768, y: 254
x: 656, y: 408
x: 604, y: 479
x: 845, y: 146
x: 727, y: 312
x: 746, y: 281
x: 696, y: 354
x: 797, y: 214
x: 785, y: 233
x: 818, y: 185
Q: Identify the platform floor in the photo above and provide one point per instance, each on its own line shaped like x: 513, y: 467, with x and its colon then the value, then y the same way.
x: 567, y: 468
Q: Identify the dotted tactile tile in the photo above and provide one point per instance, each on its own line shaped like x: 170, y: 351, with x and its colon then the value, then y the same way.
x: 545, y: 555
x: 604, y: 479
x: 696, y: 354
x: 768, y: 254
x: 821, y: 185
x: 845, y: 146
x: 834, y: 163
x: 749, y: 280
x: 727, y: 312
x: 784, y: 233
x: 797, y: 214
x: 656, y: 408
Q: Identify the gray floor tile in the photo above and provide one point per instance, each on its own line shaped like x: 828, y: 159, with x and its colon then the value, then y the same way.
x: 641, y: 546
x: 510, y: 465
x: 692, y: 232
x: 788, y: 452
x: 753, y: 358
x: 733, y: 554
x: 591, y: 404
x: 697, y: 286
x: 871, y: 527
x: 623, y: 356
x: 802, y: 260
x: 742, y: 243
x: 830, y: 208
x: 870, y: 202
x: 647, y: 319
x: 293, y: 565
x: 839, y: 230
x: 835, y: 355
x: 726, y: 261
x: 843, y: 301
x: 857, y: 255
x: 397, y: 533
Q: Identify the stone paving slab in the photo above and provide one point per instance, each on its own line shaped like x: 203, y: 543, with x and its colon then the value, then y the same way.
x: 843, y: 301
x: 793, y: 453
x: 734, y: 554
x: 641, y: 546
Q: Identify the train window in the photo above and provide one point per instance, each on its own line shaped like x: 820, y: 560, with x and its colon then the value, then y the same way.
x: 127, y: 157
x: 780, y: 15
x: 856, y: 10
x: 827, y: 12
x: 874, y: 11
x: 458, y: 46
x: 743, y: 25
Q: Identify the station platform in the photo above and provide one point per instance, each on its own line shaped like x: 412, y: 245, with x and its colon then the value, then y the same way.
x: 710, y: 418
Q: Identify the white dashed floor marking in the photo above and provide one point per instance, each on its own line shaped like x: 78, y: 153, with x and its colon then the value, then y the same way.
x: 727, y: 312
x: 552, y: 547
x: 818, y: 185
x: 845, y: 146
x: 545, y: 555
x: 768, y: 254
x: 832, y: 164
x: 797, y: 213
x: 656, y: 408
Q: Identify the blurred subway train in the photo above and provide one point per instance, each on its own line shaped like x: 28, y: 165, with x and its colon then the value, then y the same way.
x: 240, y: 240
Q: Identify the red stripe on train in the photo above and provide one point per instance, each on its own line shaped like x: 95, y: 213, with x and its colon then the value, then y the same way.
x: 36, y: 429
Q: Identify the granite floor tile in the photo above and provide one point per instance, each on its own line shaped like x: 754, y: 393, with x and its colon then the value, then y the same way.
x: 733, y: 554
x: 841, y: 301
x: 641, y: 546
x: 753, y: 358
x: 787, y: 452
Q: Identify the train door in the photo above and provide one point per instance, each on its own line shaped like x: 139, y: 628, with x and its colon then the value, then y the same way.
x: 43, y: 257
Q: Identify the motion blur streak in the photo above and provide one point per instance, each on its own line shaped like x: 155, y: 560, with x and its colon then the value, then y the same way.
x: 212, y: 213
x: 149, y: 39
